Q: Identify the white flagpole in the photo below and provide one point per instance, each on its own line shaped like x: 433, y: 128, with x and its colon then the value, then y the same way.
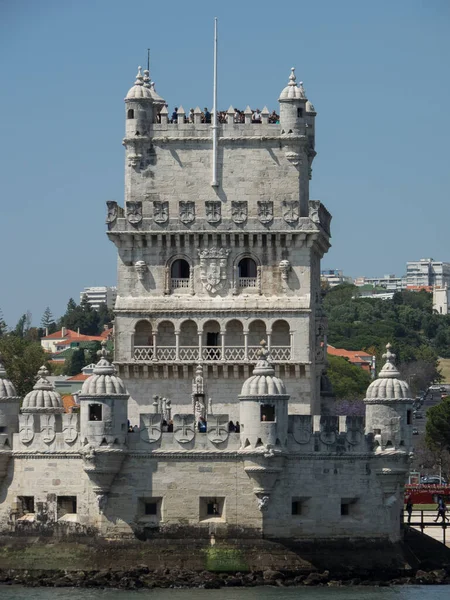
x: 214, y: 127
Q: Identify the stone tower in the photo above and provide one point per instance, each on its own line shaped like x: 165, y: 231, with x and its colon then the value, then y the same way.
x: 205, y: 272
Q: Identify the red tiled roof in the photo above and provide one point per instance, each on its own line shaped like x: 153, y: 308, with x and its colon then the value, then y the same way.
x: 72, y: 336
x: 356, y: 357
x: 68, y: 402
x: 58, y: 335
x: 78, y: 377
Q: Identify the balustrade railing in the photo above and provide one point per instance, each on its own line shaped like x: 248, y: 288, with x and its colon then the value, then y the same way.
x: 177, y: 283
x: 248, y: 282
x: 191, y: 353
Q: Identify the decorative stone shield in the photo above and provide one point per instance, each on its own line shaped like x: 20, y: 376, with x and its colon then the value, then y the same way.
x: 187, y: 212
x: 184, y: 428
x: 134, y: 212
x: 302, y: 429
x: 354, y: 427
x: 26, y: 428
x: 239, y: 211
x: 150, y: 427
x: 160, y: 212
x: 213, y: 268
x: 265, y: 211
x: 112, y: 211
x: 291, y: 211
x: 328, y: 429
x: 48, y: 428
x: 213, y: 211
x: 217, y: 428
x: 70, y: 427
x: 314, y: 206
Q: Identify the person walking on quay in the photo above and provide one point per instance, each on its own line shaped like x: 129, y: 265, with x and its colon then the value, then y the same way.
x: 442, y: 509
x: 409, y: 508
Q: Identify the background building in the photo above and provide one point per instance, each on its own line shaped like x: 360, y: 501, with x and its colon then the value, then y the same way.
x: 100, y: 295
x: 334, y: 277
x: 427, y: 273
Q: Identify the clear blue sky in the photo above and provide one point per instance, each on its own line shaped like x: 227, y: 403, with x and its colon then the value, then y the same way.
x: 377, y: 73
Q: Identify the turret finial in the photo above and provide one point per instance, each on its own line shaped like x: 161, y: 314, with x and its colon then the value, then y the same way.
x: 388, y: 355
x: 292, y: 77
x: 103, y: 352
x: 147, y: 82
x: 139, y: 78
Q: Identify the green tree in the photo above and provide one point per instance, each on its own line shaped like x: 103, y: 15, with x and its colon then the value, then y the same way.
x: 3, y: 326
x: 48, y: 321
x: 75, y: 362
x: 349, y: 382
x: 22, y: 360
x: 437, y: 435
x: 105, y: 316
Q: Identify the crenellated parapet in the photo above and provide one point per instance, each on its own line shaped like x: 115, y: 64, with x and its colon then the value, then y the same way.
x: 328, y: 435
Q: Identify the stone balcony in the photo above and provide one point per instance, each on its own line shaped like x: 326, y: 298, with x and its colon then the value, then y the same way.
x: 195, y: 354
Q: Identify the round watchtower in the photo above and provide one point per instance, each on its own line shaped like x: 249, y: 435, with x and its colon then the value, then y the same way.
x: 389, y: 407
x: 292, y: 106
x: 139, y: 108
x: 9, y: 407
x: 103, y: 405
x: 263, y: 406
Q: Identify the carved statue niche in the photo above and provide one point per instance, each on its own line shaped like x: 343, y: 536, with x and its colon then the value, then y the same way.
x: 198, y: 394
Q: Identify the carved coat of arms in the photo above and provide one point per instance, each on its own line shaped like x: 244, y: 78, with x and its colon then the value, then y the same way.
x: 213, y: 211
x: 302, y: 429
x: 328, y: 429
x: 187, y: 212
x: 26, y: 428
x: 70, y: 427
x: 213, y: 268
x: 217, y: 428
x: 184, y: 428
x: 239, y: 211
x: 265, y: 211
x: 291, y: 211
x: 355, y: 428
x: 48, y: 428
x: 160, y: 212
x: 150, y: 427
x: 134, y: 212
x: 112, y: 211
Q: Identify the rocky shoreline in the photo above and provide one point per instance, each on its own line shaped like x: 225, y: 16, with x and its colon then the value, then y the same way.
x: 143, y: 577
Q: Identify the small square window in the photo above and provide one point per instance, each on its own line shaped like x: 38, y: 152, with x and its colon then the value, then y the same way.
x: 151, y: 508
x: 2, y: 429
x: 345, y: 509
x: 212, y: 508
x: 268, y: 412
x: 66, y: 505
x: 299, y: 113
x: 95, y: 412
x: 296, y: 508
x: 26, y: 504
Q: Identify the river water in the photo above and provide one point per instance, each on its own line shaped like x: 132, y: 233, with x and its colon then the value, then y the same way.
x: 417, y: 592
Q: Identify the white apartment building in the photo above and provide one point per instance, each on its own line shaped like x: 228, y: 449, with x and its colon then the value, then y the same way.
x: 334, y: 277
x: 100, y: 295
x: 392, y: 283
x: 427, y: 272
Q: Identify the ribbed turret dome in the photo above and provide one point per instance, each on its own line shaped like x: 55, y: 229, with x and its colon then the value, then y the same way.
x: 43, y: 397
x: 156, y: 98
x: 7, y: 389
x: 310, y: 107
x: 388, y: 386
x: 263, y: 381
x: 104, y: 381
x: 139, y: 91
x: 293, y: 91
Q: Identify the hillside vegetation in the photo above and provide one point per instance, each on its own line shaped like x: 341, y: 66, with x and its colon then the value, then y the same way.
x: 418, y: 335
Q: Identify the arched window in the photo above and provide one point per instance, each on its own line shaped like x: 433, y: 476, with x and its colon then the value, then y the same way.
x: 130, y: 113
x: 247, y: 273
x: 179, y: 274
x: 247, y: 268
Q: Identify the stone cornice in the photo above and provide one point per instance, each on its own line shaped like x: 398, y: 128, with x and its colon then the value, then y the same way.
x: 388, y: 401
x: 163, y: 139
x: 33, y: 454
x: 236, y: 311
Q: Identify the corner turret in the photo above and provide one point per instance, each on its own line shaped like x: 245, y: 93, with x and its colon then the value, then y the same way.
x: 389, y: 408
x: 293, y: 107
x: 263, y: 407
x: 9, y: 408
x: 103, y: 406
x: 139, y: 108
